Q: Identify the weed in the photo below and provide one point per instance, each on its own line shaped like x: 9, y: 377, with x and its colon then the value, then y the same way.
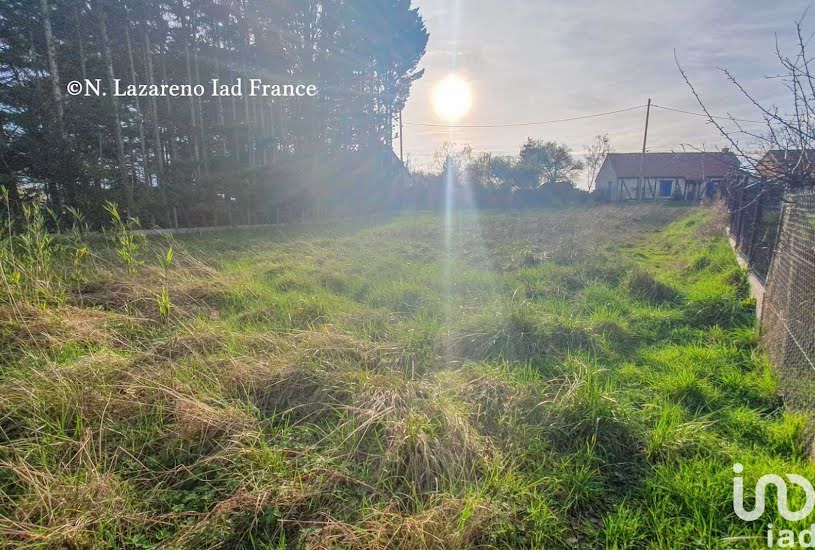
x: 164, y: 303
x: 128, y: 241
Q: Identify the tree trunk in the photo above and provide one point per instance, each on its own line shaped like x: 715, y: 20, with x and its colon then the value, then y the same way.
x: 140, y: 120
x: 83, y: 64
x: 127, y: 185
x: 201, y: 128
x: 193, y: 117
x: 197, y: 110
x: 53, y: 67
x: 227, y: 189
x: 169, y: 105
x: 250, y: 145
x: 235, y: 135
x: 159, y: 150
x: 260, y: 112
x: 220, y: 102
x: 270, y: 133
x: 55, y: 190
x: 200, y: 109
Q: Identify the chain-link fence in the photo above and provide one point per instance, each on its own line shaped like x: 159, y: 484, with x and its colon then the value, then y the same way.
x: 788, y: 315
x: 755, y: 214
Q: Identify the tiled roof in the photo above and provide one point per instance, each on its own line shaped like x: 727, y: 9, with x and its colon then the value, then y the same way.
x: 693, y: 166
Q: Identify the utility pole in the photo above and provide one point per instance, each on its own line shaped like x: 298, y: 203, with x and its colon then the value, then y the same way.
x: 641, y: 180
x: 401, y: 141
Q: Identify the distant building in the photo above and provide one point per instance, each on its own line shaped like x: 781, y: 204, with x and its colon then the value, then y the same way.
x: 791, y: 168
x: 663, y: 176
x: 395, y: 169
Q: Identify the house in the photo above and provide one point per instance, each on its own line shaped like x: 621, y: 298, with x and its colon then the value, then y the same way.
x: 396, y: 170
x: 663, y: 176
x: 791, y: 167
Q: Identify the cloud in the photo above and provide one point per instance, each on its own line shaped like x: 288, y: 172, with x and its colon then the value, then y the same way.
x: 532, y: 61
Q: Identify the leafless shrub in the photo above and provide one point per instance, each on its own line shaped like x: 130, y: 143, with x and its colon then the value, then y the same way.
x: 782, y: 149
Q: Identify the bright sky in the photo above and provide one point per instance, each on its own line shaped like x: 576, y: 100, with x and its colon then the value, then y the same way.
x: 530, y: 60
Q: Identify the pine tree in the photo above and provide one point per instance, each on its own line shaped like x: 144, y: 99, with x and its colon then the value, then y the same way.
x: 151, y: 155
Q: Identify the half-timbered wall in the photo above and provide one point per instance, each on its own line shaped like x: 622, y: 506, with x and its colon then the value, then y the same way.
x: 654, y: 189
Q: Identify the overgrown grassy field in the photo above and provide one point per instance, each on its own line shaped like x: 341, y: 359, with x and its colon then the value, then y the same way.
x: 559, y: 379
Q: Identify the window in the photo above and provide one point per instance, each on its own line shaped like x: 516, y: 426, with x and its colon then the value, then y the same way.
x: 665, y: 188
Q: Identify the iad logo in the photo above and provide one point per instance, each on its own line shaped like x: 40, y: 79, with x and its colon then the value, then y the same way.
x: 780, y: 487
x: 786, y: 537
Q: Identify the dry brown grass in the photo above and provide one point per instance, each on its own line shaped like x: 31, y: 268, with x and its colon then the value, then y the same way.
x: 278, y: 388
x: 197, y: 421
x: 25, y: 327
x: 67, y: 508
x: 436, y: 527
x: 407, y: 428
x: 425, y: 438
x: 327, y: 347
x: 96, y: 387
x: 191, y: 295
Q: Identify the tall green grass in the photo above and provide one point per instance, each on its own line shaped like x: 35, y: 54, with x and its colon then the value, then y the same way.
x: 583, y: 378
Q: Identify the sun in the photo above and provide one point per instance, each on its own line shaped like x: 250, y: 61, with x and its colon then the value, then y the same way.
x: 452, y: 98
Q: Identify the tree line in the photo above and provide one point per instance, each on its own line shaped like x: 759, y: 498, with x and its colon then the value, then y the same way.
x: 544, y: 172
x: 205, y: 157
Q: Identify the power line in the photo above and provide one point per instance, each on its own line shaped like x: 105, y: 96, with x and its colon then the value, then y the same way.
x: 582, y: 117
x: 703, y: 115
x: 521, y: 124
